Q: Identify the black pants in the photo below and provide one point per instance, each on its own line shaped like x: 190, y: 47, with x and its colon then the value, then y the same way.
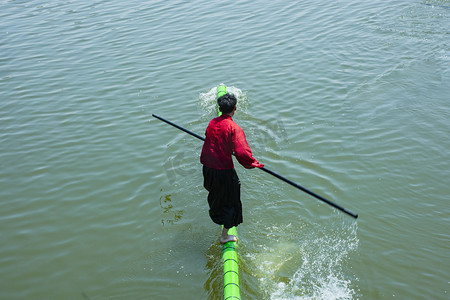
x: 224, y: 198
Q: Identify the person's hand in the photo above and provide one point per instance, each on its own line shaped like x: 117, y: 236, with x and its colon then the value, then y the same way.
x: 257, y: 165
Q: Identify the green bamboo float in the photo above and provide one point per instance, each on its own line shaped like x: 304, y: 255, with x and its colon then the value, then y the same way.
x: 229, y: 251
x: 221, y: 90
x: 230, y: 269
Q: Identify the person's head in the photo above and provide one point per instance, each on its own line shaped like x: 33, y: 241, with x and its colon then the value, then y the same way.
x: 227, y: 103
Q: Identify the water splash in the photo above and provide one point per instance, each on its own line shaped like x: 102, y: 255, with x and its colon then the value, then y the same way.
x: 310, y: 266
x: 207, y: 100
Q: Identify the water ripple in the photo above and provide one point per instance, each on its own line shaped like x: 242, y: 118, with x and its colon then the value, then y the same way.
x: 348, y: 99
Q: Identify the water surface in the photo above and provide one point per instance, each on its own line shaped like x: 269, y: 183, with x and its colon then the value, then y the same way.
x: 348, y: 98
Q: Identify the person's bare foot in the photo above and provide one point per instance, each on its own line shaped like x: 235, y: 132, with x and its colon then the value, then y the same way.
x: 228, y: 238
x: 225, y: 238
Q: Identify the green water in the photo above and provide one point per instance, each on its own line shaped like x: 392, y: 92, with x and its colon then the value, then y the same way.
x: 348, y: 98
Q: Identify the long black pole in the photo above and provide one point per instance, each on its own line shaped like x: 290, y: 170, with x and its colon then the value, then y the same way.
x: 271, y: 173
x: 310, y: 192
x: 179, y: 127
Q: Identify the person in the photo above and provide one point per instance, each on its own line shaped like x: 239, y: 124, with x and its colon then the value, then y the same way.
x: 225, y: 138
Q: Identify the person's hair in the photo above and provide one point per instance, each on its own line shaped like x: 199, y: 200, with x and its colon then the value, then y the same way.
x: 227, y: 103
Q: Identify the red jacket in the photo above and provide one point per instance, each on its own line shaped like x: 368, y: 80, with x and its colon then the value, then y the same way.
x: 223, y: 139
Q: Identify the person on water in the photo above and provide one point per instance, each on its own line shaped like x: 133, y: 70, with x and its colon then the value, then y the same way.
x: 225, y: 138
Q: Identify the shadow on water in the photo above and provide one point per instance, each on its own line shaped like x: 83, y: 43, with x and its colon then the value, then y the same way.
x: 214, y: 284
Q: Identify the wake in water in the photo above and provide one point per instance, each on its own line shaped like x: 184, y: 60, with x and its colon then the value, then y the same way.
x: 312, y: 265
x: 208, y: 103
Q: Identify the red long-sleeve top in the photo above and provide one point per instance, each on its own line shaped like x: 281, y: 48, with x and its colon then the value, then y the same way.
x: 223, y: 139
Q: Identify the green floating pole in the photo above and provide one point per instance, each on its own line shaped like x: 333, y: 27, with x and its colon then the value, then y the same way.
x: 230, y: 269
x: 221, y: 90
x: 229, y: 251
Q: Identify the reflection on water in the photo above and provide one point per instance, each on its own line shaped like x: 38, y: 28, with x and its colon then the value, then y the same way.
x: 214, y: 267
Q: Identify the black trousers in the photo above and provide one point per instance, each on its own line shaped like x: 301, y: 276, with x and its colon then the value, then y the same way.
x: 224, y: 198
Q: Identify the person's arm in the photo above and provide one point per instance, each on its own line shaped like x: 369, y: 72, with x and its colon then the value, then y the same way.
x: 242, y: 150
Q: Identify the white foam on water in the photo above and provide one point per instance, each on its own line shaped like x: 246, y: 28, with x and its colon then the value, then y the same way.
x: 311, y: 266
x: 208, y: 103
